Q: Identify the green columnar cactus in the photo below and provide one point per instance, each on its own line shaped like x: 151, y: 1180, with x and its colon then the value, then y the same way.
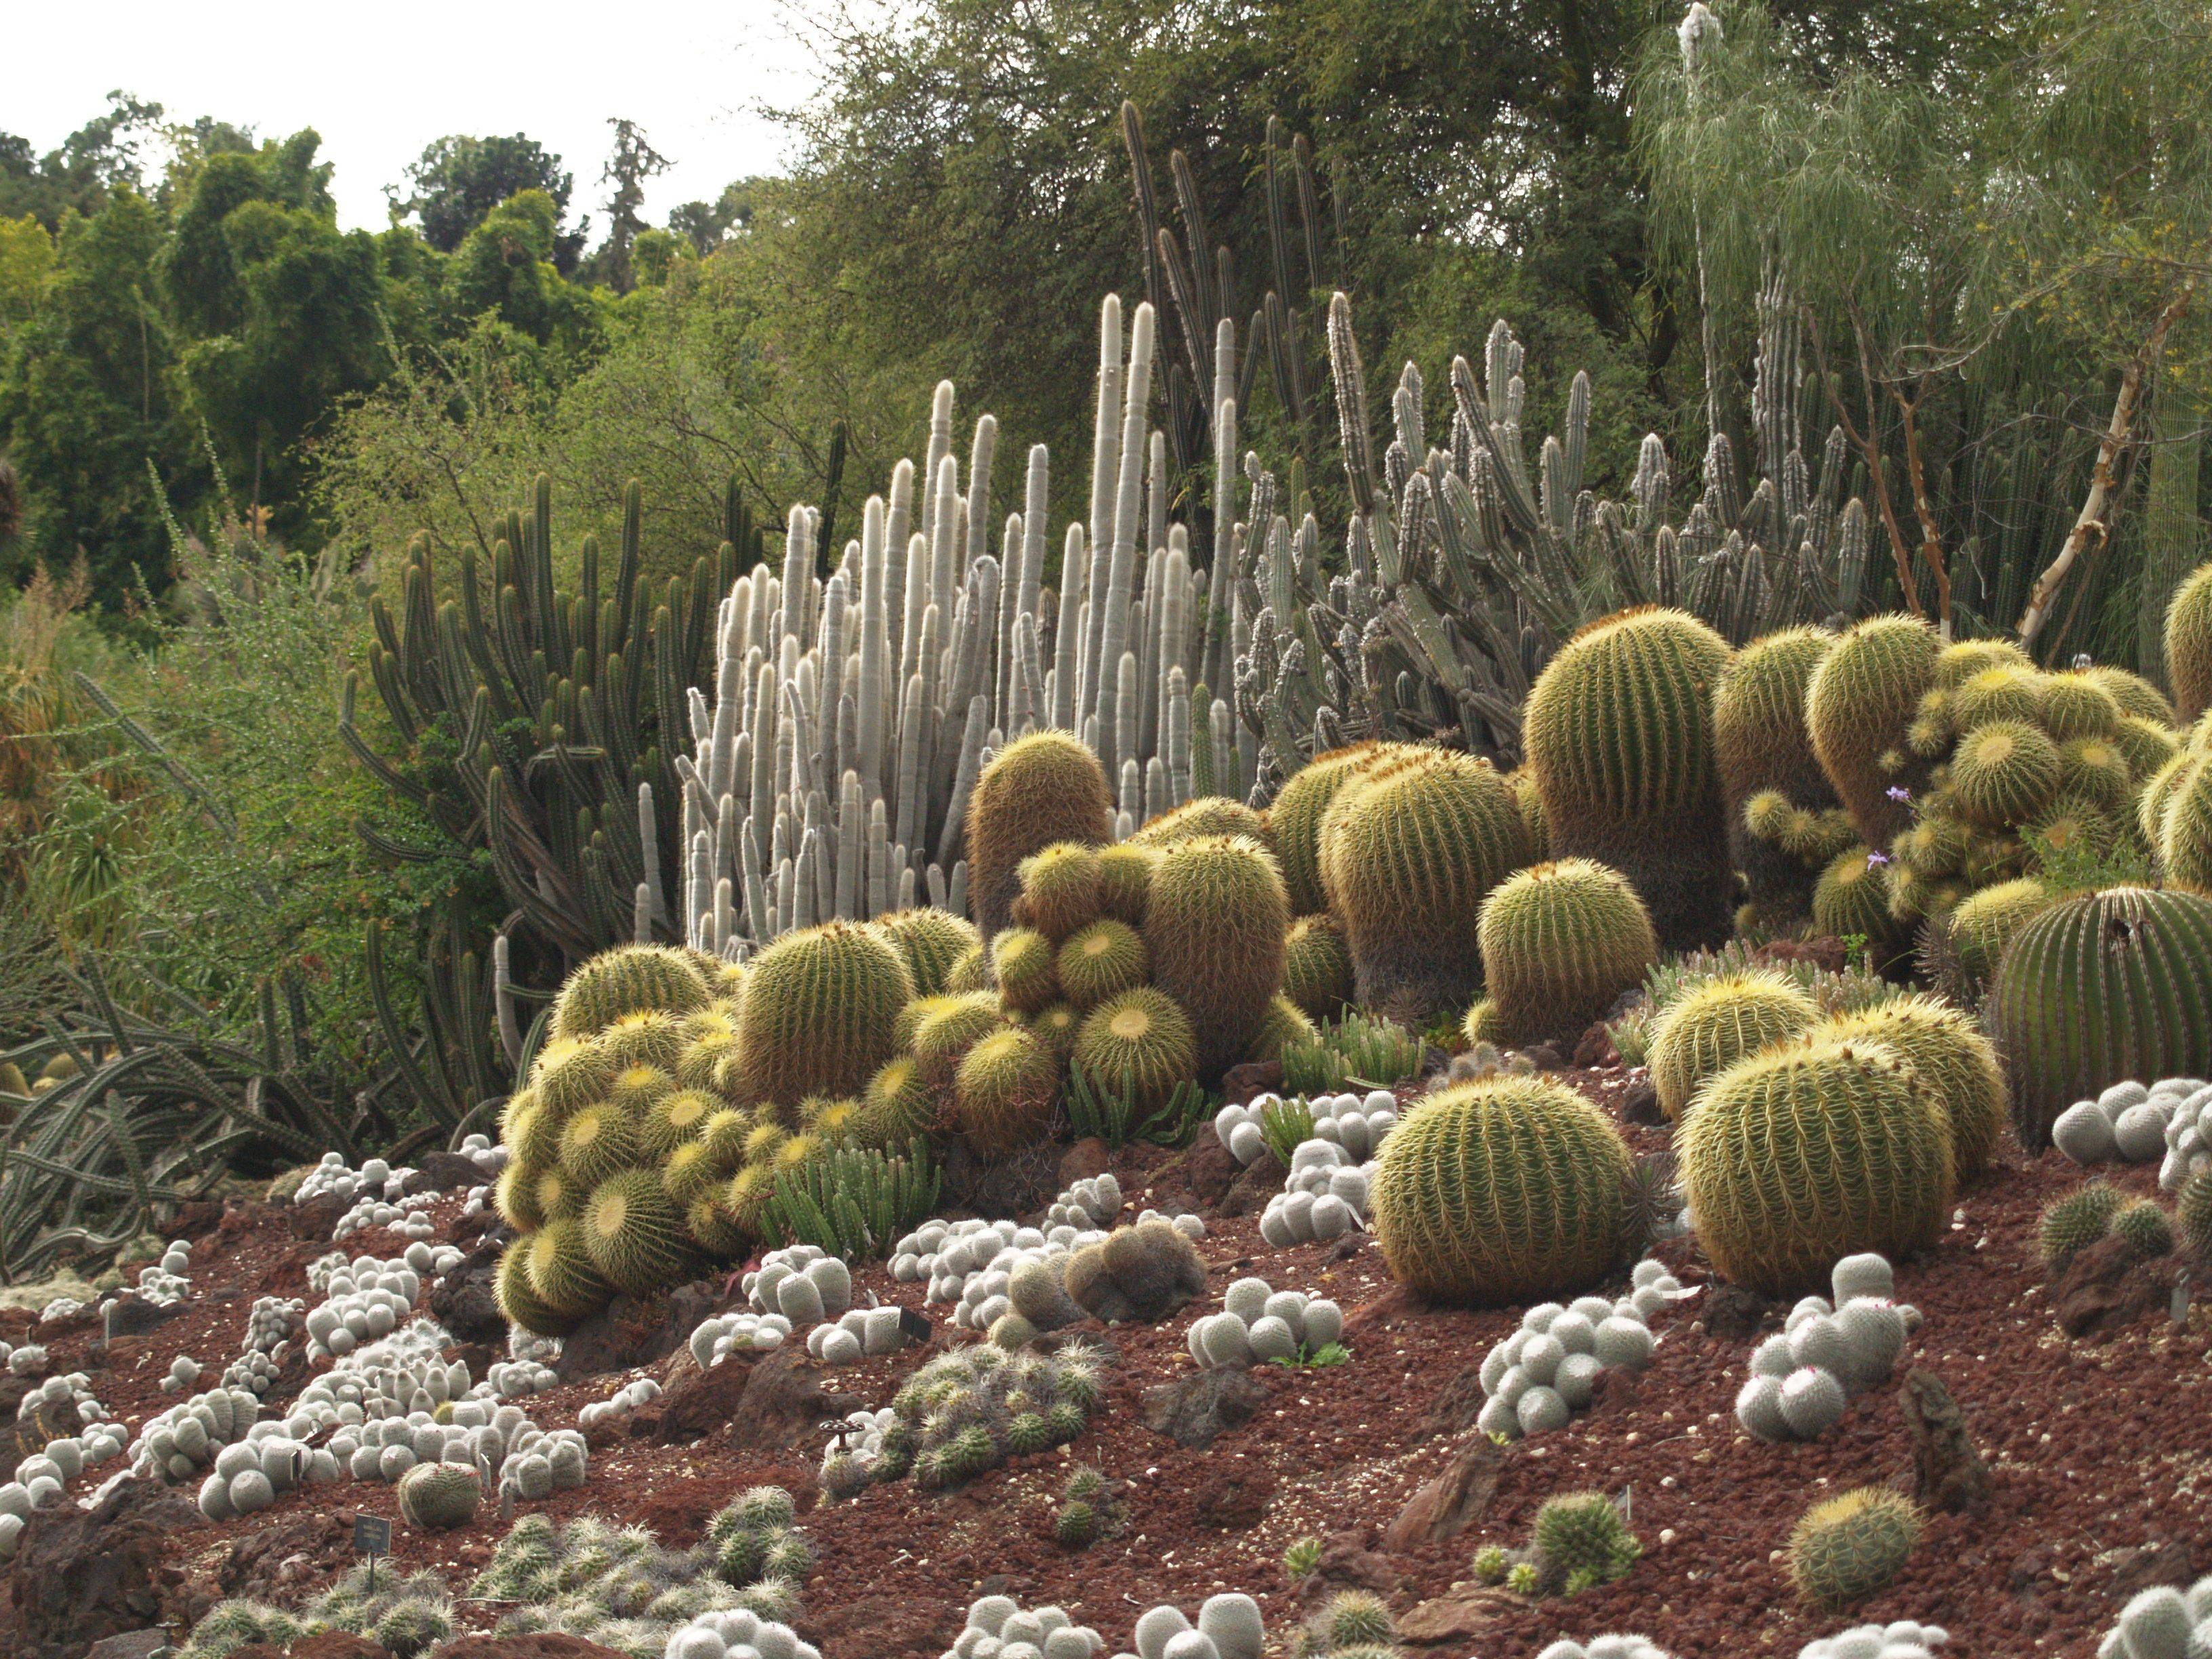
x: 1795, y: 1158
x: 2002, y: 773
x: 1561, y: 942
x: 1851, y: 1546
x: 561, y: 1271
x: 1213, y: 931
x: 819, y: 1005
x: 1004, y: 1093
x: 631, y: 979
x: 2189, y: 644
x: 1962, y: 952
x: 1618, y: 730
x: 1507, y: 1190
x: 1317, y: 966
x: 1862, y: 699
x: 1059, y: 889
x: 1097, y: 961
x: 1295, y: 818
x: 1044, y: 788
x: 1028, y: 980
x: 930, y: 940
x: 518, y: 1301
x: 1709, y: 1029
x: 1581, y: 1541
x: 440, y: 1496
x: 1139, y: 1038
x: 2070, y: 1225
x: 633, y: 1235
x: 1953, y: 1059
x: 2098, y: 989
x: 1409, y: 850
x: 1761, y: 744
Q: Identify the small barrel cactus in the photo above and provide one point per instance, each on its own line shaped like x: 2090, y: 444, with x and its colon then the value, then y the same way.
x: 1712, y: 1027
x: 440, y: 1496
x: 1561, y: 942
x: 1851, y: 1546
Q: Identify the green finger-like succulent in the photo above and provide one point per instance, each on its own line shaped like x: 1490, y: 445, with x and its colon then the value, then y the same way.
x: 1039, y: 789
x: 1561, y: 942
x: 631, y: 979
x: 1710, y: 1027
x: 2100, y: 988
x: 818, y: 1013
x: 1862, y: 698
x: 1805, y: 1154
x: 1619, y: 730
x: 930, y: 940
x: 1097, y: 962
x: 633, y: 1235
x: 1213, y: 932
x: 1510, y: 1189
x: 1851, y: 1546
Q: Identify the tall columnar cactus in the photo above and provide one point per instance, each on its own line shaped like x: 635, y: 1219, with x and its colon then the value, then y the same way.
x: 1561, y: 942
x: 1796, y: 1157
x: 1620, y: 737
x: 1043, y: 788
x: 1762, y: 744
x: 2098, y: 989
x: 2189, y: 644
x: 818, y: 1013
x: 1709, y: 1028
x: 1511, y: 1189
x: 1409, y: 852
x: 1859, y: 705
x: 1214, y: 930
x: 1952, y: 1059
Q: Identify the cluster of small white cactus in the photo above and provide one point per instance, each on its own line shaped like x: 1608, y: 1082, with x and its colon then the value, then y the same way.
x: 857, y: 1333
x: 848, y: 1462
x: 737, y: 1633
x: 998, y: 1628
x: 1091, y: 1202
x: 167, y: 1281
x: 1606, y: 1647
x: 970, y: 1263
x: 2170, y: 1121
x: 513, y: 1379
x: 274, y: 1322
x: 250, y: 1474
x: 1903, y: 1639
x: 714, y: 1341
x: 1540, y: 1377
x: 365, y: 1299
x: 184, y: 1371
x: 23, y: 1358
x: 1827, y: 1354
x: 62, y: 1307
x: 331, y: 1178
x: 178, y: 1443
x: 1259, y: 1323
x: 41, y: 1478
x: 2162, y: 1623
x: 1355, y: 1123
x: 408, y: 1223
x: 1227, y: 1627
x: 254, y: 1372
x: 1324, y: 1196
x: 624, y: 1401
x: 803, y: 1283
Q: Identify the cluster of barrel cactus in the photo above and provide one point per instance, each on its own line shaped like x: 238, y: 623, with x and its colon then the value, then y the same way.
x: 756, y: 1539
x: 405, y: 1615
x: 1828, y: 1352
x: 1143, y: 1272
x: 970, y: 1410
x: 2088, y: 1215
x: 1535, y: 1380
x: 1578, y: 1541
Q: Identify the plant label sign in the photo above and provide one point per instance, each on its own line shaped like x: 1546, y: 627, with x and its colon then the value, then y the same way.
x: 371, y: 1536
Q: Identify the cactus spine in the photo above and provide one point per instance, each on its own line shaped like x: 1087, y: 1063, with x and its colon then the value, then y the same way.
x: 1561, y: 942
x: 818, y: 1012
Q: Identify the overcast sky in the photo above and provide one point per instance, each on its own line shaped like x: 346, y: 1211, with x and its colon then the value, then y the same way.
x: 380, y: 81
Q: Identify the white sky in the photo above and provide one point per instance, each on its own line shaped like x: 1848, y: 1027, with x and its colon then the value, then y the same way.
x: 378, y: 82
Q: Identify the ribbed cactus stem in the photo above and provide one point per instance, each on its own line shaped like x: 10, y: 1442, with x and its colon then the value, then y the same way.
x: 1105, y: 473
x: 873, y: 558
x: 648, y: 838
x: 970, y: 764
x: 1125, y: 709
x: 1067, y: 654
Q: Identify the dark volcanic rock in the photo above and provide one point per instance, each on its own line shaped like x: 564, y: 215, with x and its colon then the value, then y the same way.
x: 84, y: 1575
x: 631, y: 1332
x: 443, y: 1172
x: 464, y: 1303
x: 1948, y: 1473
x: 1446, y: 1506
x: 2108, y: 1286
x: 132, y: 1315
x: 782, y: 1400
x: 1197, y: 1410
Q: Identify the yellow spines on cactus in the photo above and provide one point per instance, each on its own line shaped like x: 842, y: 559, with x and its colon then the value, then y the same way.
x: 518, y: 1298
x: 971, y: 972
x: 2184, y: 843
x: 1295, y: 818
x: 1960, y: 959
x: 1139, y: 1040
x: 1125, y: 881
x: 1758, y: 718
x: 568, y: 1075
x: 2162, y: 785
x: 1059, y: 889
x: 799, y: 1150
x: 2074, y: 706
x: 1530, y: 799
x: 725, y: 1133
x: 1203, y: 816
x: 633, y: 1235
x: 709, y: 1038
x: 598, y: 1141
x: 514, y: 1195
x: 561, y: 1271
x: 1284, y: 1024
x: 930, y: 940
x: 1958, y: 663
x: 764, y: 1141
x: 1798, y: 1157
x: 1709, y: 1028
x: 1213, y: 931
x: 1042, y: 788
x: 690, y: 1170
x: 2002, y: 773
x: 532, y: 1134
x: 1862, y: 698
x: 2095, y: 770
x: 744, y: 1198
x: 513, y: 1110
x: 952, y: 1027
x: 557, y: 1194
x: 2189, y: 643
x: 1851, y: 1546
x: 1022, y: 958
x: 1409, y: 850
x: 830, y: 1118
x: 637, y: 1089
x: 1097, y: 961
x: 898, y: 1104
x: 2072, y: 823
x: 712, y: 1228
x: 1511, y: 1189
x: 1950, y: 1055
x: 819, y: 1007
x: 631, y: 979
x: 1055, y: 1027
x: 1561, y: 942
x: 1004, y: 1093
x: 2007, y: 693
x: 2145, y: 745
x: 1317, y: 966
x: 643, y: 1039
x: 1851, y: 899
x: 674, y: 1119
x: 1619, y: 731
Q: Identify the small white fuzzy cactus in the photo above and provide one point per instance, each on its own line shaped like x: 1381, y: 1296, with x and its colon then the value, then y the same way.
x: 1227, y: 1627
x: 1259, y: 1323
x: 713, y: 1340
x: 2162, y: 1623
x: 2168, y: 1122
x: 1537, y: 1378
x: 625, y: 1401
x: 1905, y: 1639
x: 802, y: 1283
x: 733, y: 1633
x: 856, y: 1334
x: 1803, y: 1379
x: 1606, y: 1647
x: 998, y: 1627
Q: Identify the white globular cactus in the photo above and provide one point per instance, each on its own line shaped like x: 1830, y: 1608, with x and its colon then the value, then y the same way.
x: 1540, y: 1377
x: 2168, y: 1122
x: 857, y: 1333
x: 1606, y: 1647
x: 998, y: 1627
x: 365, y: 1299
x: 1259, y: 1324
x: 1828, y: 1352
x: 1905, y: 1639
x: 802, y: 1283
x: 1088, y: 1204
x: 1325, y: 1194
x: 2162, y: 1623
x: 971, y: 1264
x: 1228, y: 1626
x: 713, y: 1340
x: 734, y: 1633
x: 620, y: 1404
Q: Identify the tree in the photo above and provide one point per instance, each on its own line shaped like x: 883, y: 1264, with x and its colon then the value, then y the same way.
x: 631, y: 163
x: 98, y: 158
x: 459, y: 180
x: 705, y: 224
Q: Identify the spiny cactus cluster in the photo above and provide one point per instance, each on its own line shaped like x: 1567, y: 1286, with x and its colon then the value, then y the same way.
x: 1536, y: 1379
x: 757, y: 1539
x: 365, y: 1299
x: 2088, y: 1215
x: 1014, y: 1633
x: 2170, y: 1121
x: 732, y: 1632
x: 1901, y: 1638
x: 1087, y: 1511
x: 1579, y: 1541
x: 971, y: 1263
x: 1259, y: 1323
x: 1143, y: 1272
x: 1827, y: 1354
x: 970, y: 1410
x: 2161, y: 1622
x: 406, y: 1614
x: 1350, y: 1622
x: 41, y: 1478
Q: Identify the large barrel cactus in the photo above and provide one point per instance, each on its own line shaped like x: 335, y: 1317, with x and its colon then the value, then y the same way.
x: 1214, y: 930
x: 631, y: 979
x: 1044, y: 788
x: 1801, y: 1156
x: 1709, y: 1028
x: 1295, y: 818
x: 1561, y: 942
x: 1620, y: 737
x: 1762, y: 745
x: 1859, y: 706
x: 1511, y: 1189
x: 2189, y: 643
x: 2098, y: 989
x: 1952, y: 1059
x: 818, y: 1012
x: 1409, y: 851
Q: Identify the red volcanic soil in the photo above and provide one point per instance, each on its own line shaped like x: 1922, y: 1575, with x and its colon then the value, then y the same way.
x: 2099, y: 1452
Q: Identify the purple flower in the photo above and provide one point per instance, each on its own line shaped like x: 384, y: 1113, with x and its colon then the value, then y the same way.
x: 1899, y: 792
x: 1877, y: 858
